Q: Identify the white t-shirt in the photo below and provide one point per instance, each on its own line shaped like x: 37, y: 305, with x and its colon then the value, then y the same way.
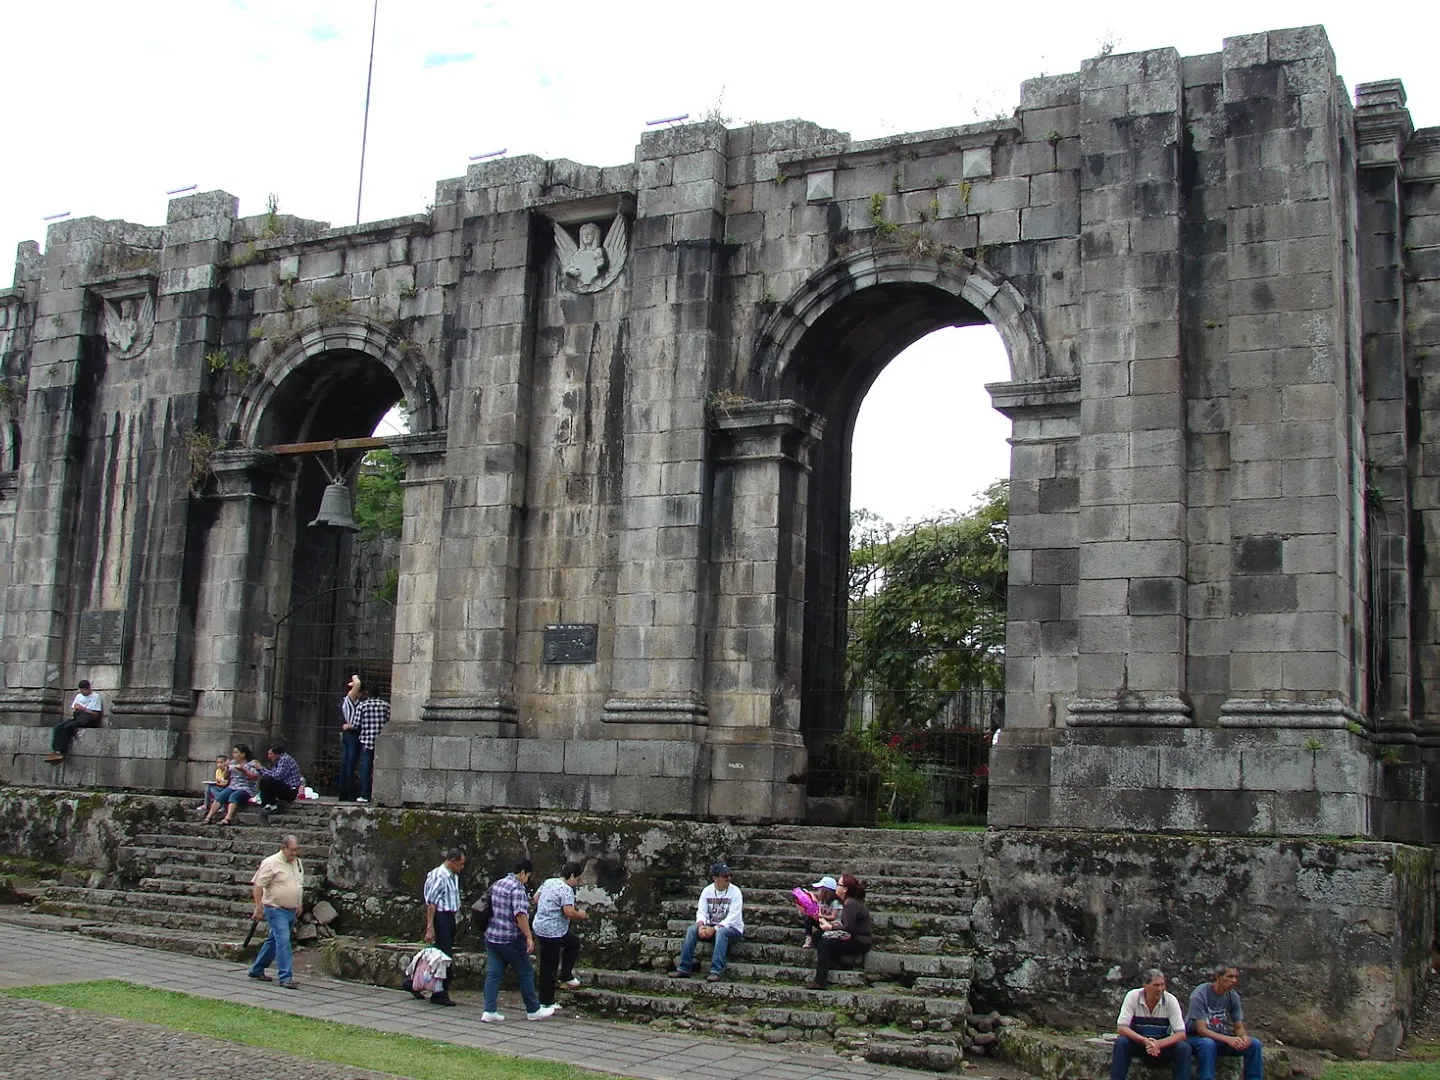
x: 721, y: 909
x: 91, y: 701
x: 1168, y: 1008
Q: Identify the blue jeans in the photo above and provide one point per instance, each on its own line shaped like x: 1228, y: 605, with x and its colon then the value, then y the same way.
x: 367, y: 771
x: 236, y: 795
x: 720, y: 945
x: 1126, y: 1050
x: 277, y: 945
x: 349, y: 758
x: 1205, y: 1051
x: 509, y: 954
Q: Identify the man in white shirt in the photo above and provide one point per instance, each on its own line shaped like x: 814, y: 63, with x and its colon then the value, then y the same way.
x: 1151, y: 1023
x: 85, y: 711
x: 718, y: 918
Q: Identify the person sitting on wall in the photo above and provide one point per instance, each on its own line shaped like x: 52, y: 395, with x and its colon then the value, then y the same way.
x: 849, y: 935
x: 1150, y: 1022
x: 280, y: 783
x: 85, y: 711
x: 239, y: 791
x: 1217, y: 1026
x: 719, y: 917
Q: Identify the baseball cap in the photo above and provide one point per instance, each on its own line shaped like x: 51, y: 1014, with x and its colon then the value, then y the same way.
x: 826, y: 882
x: 720, y: 869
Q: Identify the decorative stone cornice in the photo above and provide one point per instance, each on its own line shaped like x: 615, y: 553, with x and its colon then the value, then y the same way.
x: 766, y: 431
x: 1286, y: 713
x: 472, y: 708
x: 1382, y: 124
x: 1129, y: 709
x: 660, y: 709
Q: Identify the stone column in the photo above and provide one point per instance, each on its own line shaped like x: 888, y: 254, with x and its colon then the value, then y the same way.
x: 758, y: 530
x: 659, y: 665
x: 236, y: 649
x: 33, y: 648
x: 1296, y: 474
x: 1132, y: 550
x: 415, y: 599
x: 1382, y: 128
x: 158, y: 678
x: 477, y: 613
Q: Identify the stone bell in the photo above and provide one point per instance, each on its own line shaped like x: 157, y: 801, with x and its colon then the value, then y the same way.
x: 337, y: 509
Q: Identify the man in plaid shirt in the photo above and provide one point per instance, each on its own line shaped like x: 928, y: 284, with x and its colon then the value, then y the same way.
x: 371, y: 714
x: 509, y: 943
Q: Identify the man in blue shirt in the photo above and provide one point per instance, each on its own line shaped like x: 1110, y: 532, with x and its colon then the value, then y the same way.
x: 1216, y: 1021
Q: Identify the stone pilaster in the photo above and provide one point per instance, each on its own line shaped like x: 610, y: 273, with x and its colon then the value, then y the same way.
x: 476, y: 617
x: 418, y: 586
x: 1132, y: 498
x: 1382, y: 128
x: 758, y: 530
x: 659, y: 665
x: 1296, y: 478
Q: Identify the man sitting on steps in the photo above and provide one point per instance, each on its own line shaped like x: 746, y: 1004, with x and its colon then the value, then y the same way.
x: 718, y: 918
x: 278, y: 784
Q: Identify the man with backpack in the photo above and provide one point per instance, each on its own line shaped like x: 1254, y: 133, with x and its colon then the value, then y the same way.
x: 510, y: 943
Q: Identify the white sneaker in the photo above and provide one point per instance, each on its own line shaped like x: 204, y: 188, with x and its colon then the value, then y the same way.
x: 490, y: 1018
x: 540, y: 1014
x: 571, y: 983
x: 360, y: 800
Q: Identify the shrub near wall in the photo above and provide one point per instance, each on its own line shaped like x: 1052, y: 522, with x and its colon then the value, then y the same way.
x: 379, y: 859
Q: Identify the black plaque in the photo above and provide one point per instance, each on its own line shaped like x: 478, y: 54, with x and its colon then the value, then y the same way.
x: 100, y: 637
x: 571, y: 643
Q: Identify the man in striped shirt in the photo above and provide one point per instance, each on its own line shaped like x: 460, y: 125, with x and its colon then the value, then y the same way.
x: 442, y: 905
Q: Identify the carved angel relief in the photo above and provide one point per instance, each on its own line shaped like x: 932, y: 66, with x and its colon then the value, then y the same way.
x: 590, y: 266
x: 129, y: 324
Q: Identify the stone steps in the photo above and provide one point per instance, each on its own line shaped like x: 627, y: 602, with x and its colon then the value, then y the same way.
x: 222, y: 890
x: 207, y: 857
x: 776, y: 908
x: 796, y: 867
x: 896, y: 931
x: 212, y: 947
x: 257, y: 840
x: 238, y: 905
x: 779, y: 883
x: 187, y: 922
x: 893, y: 1004
x: 878, y: 962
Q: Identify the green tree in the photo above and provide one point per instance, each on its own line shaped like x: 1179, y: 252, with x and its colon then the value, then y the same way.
x: 927, y: 609
x: 379, y: 501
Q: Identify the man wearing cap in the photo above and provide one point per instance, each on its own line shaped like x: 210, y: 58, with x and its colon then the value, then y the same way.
x: 718, y: 919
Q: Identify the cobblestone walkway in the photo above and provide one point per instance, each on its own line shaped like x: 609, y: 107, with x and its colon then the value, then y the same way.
x: 47, y: 1040
x: 29, y: 957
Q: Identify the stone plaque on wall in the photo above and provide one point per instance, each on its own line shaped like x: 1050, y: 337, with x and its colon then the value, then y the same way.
x: 570, y: 643
x: 100, y: 637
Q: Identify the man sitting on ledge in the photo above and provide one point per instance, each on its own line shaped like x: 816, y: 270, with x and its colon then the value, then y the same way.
x: 1151, y: 1023
x: 85, y: 711
x: 1217, y: 1025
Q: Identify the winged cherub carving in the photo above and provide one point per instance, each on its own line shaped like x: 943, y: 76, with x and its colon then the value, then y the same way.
x: 129, y: 324
x: 590, y: 266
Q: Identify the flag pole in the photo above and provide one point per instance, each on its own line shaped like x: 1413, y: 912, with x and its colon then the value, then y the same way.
x: 365, y: 129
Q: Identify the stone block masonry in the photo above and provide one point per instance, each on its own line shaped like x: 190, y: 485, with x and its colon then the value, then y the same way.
x: 631, y: 392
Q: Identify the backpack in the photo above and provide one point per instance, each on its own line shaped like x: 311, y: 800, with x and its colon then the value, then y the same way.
x: 480, y: 913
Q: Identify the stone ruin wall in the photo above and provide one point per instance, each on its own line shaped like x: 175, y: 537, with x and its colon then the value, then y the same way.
x: 1216, y: 280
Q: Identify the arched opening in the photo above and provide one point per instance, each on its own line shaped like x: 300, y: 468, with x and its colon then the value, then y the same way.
x: 918, y: 707
x: 336, y: 613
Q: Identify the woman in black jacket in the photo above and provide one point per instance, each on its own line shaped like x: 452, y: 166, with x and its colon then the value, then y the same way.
x: 849, y: 935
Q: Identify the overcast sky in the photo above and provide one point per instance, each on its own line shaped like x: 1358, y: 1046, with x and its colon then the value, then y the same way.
x: 111, y: 105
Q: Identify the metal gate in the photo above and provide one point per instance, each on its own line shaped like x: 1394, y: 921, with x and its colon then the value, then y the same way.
x: 328, y: 637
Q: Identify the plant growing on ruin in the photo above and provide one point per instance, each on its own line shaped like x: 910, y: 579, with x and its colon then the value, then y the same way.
x: 200, y: 447
x: 884, y: 229
x: 965, y: 187
x: 408, y: 291
x: 270, y: 229
x: 1313, y: 744
x: 724, y: 400
x: 12, y: 392
x: 330, y: 303
x: 223, y: 365
x: 1053, y: 136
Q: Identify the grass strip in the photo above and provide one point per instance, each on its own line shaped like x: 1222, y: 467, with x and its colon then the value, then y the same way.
x: 1381, y: 1070
x: 321, y: 1040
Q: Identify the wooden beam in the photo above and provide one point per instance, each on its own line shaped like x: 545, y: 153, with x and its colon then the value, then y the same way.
x: 372, y: 443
